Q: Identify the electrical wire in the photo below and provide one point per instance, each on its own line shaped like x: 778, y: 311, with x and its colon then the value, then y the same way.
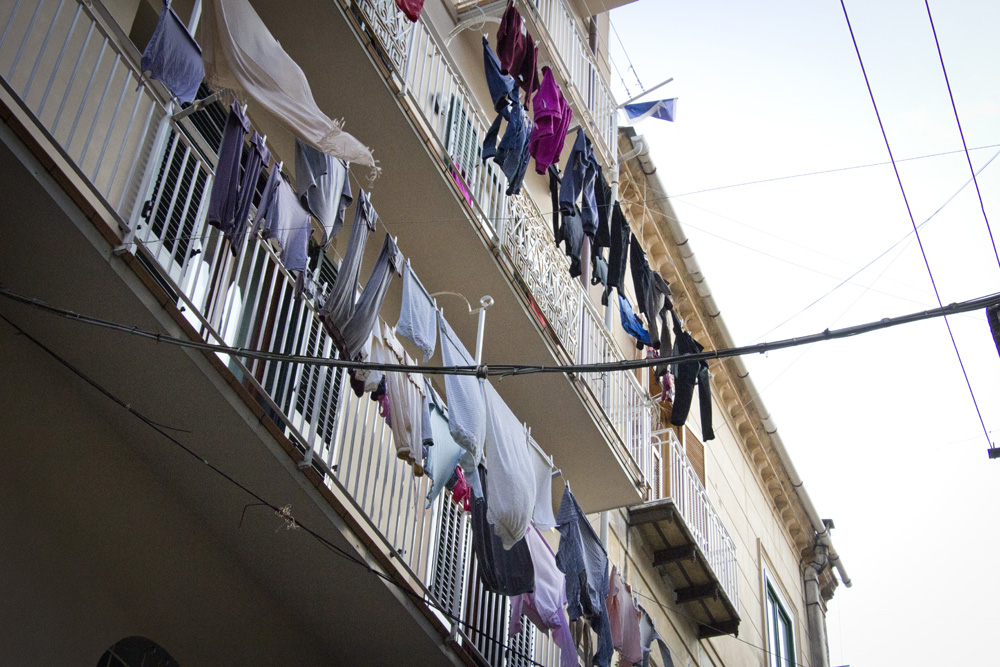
x: 883, y: 253
x: 664, y: 196
x: 625, y: 51
x: 913, y: 222
x: 504, y: 370
x: 256, y: 496
x: 961, y: 134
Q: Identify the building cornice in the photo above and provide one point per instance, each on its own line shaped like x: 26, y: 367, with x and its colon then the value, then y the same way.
x: 649, y: 213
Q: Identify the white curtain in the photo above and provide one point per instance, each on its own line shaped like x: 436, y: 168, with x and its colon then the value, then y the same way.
x: 240, y: 54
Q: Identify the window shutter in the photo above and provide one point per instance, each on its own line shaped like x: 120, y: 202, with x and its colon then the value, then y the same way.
x: 449, y: 560
x: 462, y: 141
x: 695, y: 450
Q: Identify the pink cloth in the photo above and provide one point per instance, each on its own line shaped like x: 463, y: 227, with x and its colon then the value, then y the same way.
x: 517, y: 52
x: 552, y: 118
x: 462, y: 493
x: 624, y: 617
x: 411, y: 8
x: 545, y: 606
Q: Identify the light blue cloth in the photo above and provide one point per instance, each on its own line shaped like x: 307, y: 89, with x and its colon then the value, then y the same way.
x: 443, y: 455
x: 173, y: 57
x: 662, y: 109
x: 466, y: 403
x: 417, y: 320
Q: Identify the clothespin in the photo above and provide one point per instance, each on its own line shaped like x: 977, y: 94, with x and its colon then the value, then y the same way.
x: 263, y: 140
x: 244, y: 108
x: 280, y: 165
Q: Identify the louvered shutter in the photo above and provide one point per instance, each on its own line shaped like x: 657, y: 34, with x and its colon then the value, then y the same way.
x: 462, y: 141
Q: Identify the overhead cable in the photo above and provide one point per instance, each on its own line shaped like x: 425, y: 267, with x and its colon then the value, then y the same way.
x: 505, y: 370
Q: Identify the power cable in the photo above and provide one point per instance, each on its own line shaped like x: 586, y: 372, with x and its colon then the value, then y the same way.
x: 913, y: 222
x: 961, y: 134
x: 882, y: 254
x: 505, y: 370
x: 819, y: 173
x: 260, y: 499
x: 625, y: 51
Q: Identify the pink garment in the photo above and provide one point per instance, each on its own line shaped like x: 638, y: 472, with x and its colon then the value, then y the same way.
x: 623, y: 618
x: 552, y: 118
x: 411, y: 8
x: 517, y: 52
x: 462, y: 493
x: 545, y: 606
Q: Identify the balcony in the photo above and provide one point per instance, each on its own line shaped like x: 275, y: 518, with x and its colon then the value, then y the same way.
x: 691, y: 546
x: 71, y: 92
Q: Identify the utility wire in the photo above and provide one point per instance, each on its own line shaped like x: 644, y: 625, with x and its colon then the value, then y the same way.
x: 961, y: 134
x: 625, y: 51
x: 913, y: 222
x: 260, y: 499
x: 816, y: 173
x: 883, y: 253
x: 504, y: 370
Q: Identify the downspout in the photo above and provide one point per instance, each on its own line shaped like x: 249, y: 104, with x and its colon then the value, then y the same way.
x: 819, y: 651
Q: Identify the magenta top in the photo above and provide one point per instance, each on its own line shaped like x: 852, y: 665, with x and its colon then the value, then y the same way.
x: 552, y: 118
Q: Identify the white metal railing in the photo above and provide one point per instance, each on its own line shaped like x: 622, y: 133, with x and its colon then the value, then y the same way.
x: 594, y: 103
x: 689, y: 496
x: 79, y: 78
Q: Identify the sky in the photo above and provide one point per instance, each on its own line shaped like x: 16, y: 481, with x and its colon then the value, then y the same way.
x: 881, y: 427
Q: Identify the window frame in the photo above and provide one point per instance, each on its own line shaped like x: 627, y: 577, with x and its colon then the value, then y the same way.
x: 778, y: 617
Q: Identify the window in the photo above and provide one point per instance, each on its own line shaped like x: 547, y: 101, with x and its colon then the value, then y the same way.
x: 780, y: 635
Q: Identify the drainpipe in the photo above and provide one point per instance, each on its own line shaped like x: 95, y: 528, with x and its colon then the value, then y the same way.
x: 819, y: 651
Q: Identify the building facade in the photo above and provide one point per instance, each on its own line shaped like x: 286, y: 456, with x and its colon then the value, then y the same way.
x: 198, y: 507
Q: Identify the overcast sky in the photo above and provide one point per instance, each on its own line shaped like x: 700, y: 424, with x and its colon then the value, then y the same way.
x: 881, y: 427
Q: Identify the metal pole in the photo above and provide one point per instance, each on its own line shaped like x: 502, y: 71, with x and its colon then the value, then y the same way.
x: 195, y: 17
x: 643, y: 93
x: 484, y: 303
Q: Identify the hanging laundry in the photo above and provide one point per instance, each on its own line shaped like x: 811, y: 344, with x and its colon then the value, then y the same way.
x: 444, y: 455
x: 324, y: 187
x: 623, y: 619
x: 282, y: 219
x: 173, y: 57
x: 631, y: 323
x: 617, y: 252
x: 512, y: 153
x: 639, y: 268
x: 503, y: 571
x: 578, y: 184
x: 461, y: 493
x: 349, y: 323
x: 226, y: 191
x: 410, y: 8
x: 417, y: 315
x: 517, y: 51
x: 598, y: 270
x: 466, y: 407
x: 545, y: 605
x: 511, y: 482
x: 583, y: 559
x: 602, y: 197
x: 406, y: 398
x: 543, y: 515
x: 647, y: 635
x: 254, y: 161
x: 552, y: 119
x: 686, y: 375
x: 240, y: 54
x: 571, y: 231
x: 658, y: 304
